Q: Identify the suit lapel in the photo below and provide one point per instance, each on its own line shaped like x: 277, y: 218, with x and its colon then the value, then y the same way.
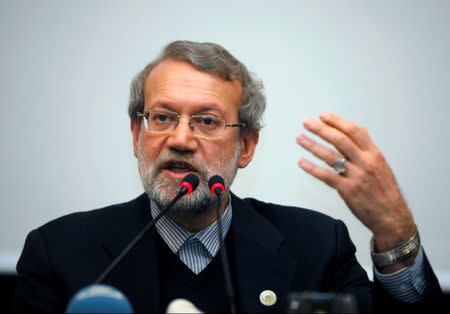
x: 137, y: 274
x: 261, y: 259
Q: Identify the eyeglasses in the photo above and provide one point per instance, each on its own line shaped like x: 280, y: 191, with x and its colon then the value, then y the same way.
x: 203, y: 125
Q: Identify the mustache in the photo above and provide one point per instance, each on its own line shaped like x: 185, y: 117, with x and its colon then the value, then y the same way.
x: 165, y: 159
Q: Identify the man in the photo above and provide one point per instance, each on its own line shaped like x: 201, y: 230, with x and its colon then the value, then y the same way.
x: 196, y: 109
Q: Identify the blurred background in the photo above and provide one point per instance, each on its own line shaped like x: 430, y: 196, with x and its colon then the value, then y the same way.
x: 66, y: 67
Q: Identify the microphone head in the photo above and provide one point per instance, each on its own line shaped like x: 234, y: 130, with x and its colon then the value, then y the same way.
x: 190, y: 182
x: 99, y: 299
x: 216, y: 182
x: 182, y: 306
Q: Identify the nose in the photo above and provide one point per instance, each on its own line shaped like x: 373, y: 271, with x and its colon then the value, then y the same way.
x: 182, y: 137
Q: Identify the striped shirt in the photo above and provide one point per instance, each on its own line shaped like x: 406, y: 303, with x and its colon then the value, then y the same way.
x: 407, y: 284
x: 195, y: 250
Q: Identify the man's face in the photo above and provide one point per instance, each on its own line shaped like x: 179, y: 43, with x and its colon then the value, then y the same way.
x: 164, y: 159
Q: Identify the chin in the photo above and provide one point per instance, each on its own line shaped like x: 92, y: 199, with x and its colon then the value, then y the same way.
x: 188, y: 208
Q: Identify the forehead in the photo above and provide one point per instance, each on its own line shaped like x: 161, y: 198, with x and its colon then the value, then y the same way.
x: 180, y: 86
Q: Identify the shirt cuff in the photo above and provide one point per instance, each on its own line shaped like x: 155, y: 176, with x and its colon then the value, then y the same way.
x: 407, y: 284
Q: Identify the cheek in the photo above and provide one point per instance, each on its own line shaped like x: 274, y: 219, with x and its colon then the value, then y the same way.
x: 224, y: 151
x: 151, y: 147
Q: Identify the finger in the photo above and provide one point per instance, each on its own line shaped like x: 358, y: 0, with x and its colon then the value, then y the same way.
x: 358, y: 134
x: 335, y: 137
x: 327, y: 176
x: 328, y: 155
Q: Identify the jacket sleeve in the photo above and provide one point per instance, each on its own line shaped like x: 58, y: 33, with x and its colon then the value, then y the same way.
x: 347, y: 276
x: 38, y: 289
x: 432, y: 299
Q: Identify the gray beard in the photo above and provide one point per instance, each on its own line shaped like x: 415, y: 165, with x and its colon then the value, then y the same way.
x: 162, y: 190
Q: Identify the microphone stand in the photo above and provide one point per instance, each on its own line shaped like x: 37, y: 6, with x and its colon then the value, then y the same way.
x: 136, y: 239
x: 223, y: 250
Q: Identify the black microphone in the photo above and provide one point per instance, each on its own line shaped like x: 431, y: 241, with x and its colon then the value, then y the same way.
x: 99, y: 298
x: 189, y: 183
x: 217, y: 188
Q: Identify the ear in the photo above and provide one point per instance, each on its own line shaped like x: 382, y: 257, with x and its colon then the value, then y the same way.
x: 135, y: 127
x: 248, y: 141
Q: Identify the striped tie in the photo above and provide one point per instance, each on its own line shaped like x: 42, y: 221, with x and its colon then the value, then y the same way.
x: 194, y: 255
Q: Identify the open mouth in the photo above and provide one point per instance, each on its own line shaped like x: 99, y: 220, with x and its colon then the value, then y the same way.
x: 179, y: 166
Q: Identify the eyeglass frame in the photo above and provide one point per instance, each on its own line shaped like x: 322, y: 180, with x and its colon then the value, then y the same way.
x: 146, y: 114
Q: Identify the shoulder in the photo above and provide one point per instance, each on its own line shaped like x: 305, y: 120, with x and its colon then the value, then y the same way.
x: 297, y: 223
x: 283, y: 214
x: 97, y: 220
x: 76, y: 240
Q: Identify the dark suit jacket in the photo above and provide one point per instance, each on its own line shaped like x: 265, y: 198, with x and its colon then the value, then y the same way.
x: 274, y: 247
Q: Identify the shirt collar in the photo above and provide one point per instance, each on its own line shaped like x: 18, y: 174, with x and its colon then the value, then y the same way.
x: 175, y: 235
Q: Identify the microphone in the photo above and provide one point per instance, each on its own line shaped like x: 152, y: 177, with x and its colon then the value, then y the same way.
x: 98, y: 298
x: 217, y: 188
x: 216, y: 185
x: 182, y: 306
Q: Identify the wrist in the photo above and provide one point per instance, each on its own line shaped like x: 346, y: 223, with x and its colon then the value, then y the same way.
x: 393, y: 233
x: 402, y: 253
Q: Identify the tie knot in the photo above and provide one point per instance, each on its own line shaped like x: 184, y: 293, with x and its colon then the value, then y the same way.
x: 194, y: 255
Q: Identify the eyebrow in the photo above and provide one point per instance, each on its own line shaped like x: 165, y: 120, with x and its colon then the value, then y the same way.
x: 198, y: 109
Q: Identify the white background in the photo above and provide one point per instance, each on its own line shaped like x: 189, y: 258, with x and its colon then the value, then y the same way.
x: 66, y: 67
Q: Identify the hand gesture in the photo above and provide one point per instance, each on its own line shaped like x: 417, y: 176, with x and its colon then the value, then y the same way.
x: 367, y: 184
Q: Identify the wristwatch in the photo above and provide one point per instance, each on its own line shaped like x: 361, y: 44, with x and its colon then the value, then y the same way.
x: 396, y: 255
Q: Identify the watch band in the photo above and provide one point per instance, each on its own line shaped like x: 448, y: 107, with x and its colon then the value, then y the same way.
x: 397, y: 254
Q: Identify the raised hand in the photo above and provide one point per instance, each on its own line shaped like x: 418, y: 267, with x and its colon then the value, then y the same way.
x: 368, y: 185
